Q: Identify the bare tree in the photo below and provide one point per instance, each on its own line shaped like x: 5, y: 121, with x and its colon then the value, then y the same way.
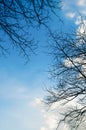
x: 16, y: 19
x: 69, y: 73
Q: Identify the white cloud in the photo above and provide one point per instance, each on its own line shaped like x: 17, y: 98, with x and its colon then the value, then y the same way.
x: 82, y: 27
x: 43, y: 128
x: 73, y: 9
x: 51, y: 115
x: 81, y: 2
x: 70, y: 15
x: 49, y: 118
x: 36, y: 102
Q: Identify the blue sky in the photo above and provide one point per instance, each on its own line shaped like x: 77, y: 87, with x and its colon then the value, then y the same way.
x: 21, y: 86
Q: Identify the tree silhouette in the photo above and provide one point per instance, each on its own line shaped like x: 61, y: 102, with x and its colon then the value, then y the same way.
x: 69, y: 73
x: 16, y: 19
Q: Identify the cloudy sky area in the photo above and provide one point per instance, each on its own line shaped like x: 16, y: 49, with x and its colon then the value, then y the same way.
x: 21, y: 86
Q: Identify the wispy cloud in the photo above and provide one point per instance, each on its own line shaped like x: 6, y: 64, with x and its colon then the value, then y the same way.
x: 16, y: 111
x: 73, y: 9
